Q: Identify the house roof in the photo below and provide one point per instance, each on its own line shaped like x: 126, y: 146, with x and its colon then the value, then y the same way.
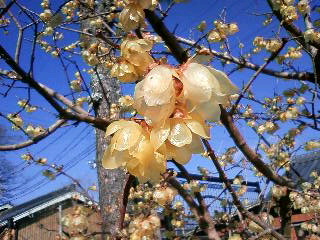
x: 304, y: 164
x: 39, y: 203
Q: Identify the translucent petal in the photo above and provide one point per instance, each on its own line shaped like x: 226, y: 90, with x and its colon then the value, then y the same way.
x: 158, y: 114
x: 115, y: 159
x: 198, y: 83
x: 209, y: 111
x: 127, y: 137
x: 115, y: 126
x: 226, y: 86
x: 159, y: 134
x: 131, y: 17
x: 196, y: 145
x: 181, y: 155
x: 197, y: 127
x: 145, y: 4
x: 158, y: 86
x: 180, y: 134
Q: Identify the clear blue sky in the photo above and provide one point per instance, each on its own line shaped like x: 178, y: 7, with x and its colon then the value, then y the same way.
x: 74, y: 147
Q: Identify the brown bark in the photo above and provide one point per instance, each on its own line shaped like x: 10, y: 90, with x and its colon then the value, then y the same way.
x: 285, y: 214
x: 105, y: 91
x: 111, y: 182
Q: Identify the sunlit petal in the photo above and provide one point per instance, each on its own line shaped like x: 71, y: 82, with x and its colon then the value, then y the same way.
x: 180, y: 134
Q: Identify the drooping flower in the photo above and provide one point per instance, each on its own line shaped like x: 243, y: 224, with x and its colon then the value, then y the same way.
x: 131, y: 17
x: 130, y: 148
x: 179, y: 138
x: 155, y: 95
x: 204, y: 88
x: 137, y: 52
x: 164, y: 196
x: 124, y: 71
x: 144, y: 227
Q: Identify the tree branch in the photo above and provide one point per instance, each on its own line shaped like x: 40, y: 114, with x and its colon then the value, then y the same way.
x: 234, y: 196
x: 205, y: 221
x: 306, y: 76
x: 258, y: 163
x: 36, y: 139
x: 49, y: 95
x: 293, y: 30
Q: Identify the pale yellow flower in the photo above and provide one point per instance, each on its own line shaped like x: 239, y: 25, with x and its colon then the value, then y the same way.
x: 164, y: 196
x: 124, y: 71
x: 137, y: 52
x: 144, y: 227
x: 204, y: 88
x: 214, y: 36
x: 179, y: 138
x: 155, y: 95
x: 130, y: 148
x: 131, y: 17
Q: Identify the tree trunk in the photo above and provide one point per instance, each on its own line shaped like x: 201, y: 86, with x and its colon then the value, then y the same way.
x: 111, y: 182
x: 105, y: 91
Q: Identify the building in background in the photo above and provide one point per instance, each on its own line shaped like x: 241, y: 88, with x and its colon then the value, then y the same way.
x: 42, y: 217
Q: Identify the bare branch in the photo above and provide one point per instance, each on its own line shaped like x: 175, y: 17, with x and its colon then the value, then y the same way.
x: 49, y: 95
x: 205, y: 221
x: 36, y: 139
x: 235, y: 134
x: 234, y: 196
x: 5, y: 9
x: 307, y: 76
x: 256, y: 74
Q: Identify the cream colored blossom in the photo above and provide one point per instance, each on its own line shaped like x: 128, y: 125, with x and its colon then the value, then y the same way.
x: 164, y: 196
x: 137, y: 52
x: 180, y: 137
x: 130, y: 148
x: 131, y: 17
x: 16, y: 120
x: 214, y: 36
x: 75, y: 85
x: 273, y: 45
x: 124, y: 71
x: 126, y: 101
x: 144, y: 227
x: 155, y: 95
x: 204, y: 88
x: 289, y: 13
x: 303, y: 6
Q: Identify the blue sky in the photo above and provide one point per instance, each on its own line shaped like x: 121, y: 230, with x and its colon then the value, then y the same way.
x: 74, y: 146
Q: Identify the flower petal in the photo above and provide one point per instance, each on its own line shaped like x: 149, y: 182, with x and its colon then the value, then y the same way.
x: 158, y: 86
x: 198, y: 83
x: 196, y: 145
x: 198, y: 127
x: 115, y: 126
x: 181, y: 155
x: 127, y: 137
x: 158, y: 135
x: 180, y: 134
x: 115, y: 159
x: 226, y: 86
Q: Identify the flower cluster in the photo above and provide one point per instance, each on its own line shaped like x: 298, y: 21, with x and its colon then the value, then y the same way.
x: 222, y: 31
x: 164, y: 196
x: 271, y: 45
x: 287, y: 10
x: 16, y: 120
x: 34, y: 131
x: 132, y: 16
x: 144, y: 227
x: 175, y: 105
x: 134, y: 61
